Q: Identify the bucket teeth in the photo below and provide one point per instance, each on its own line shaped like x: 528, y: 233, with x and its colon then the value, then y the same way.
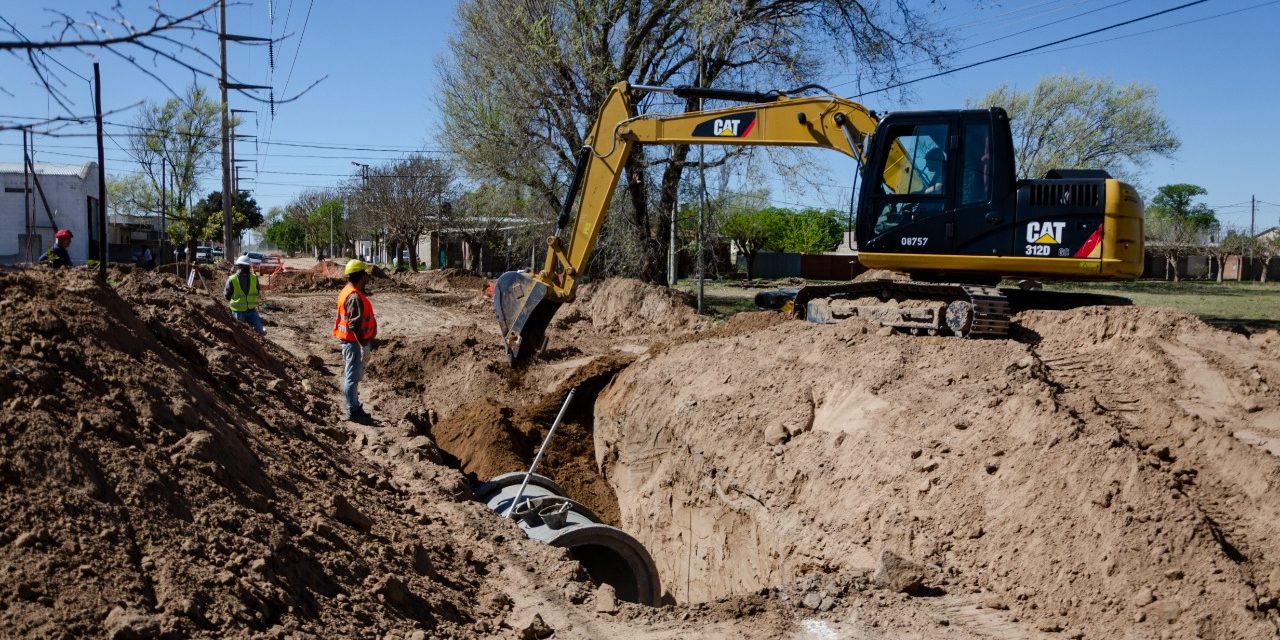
x: 524, y: 310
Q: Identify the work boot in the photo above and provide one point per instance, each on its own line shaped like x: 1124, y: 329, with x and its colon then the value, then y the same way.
x: 360, y: 416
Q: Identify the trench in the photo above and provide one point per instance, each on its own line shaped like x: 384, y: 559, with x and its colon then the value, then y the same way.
x: 493, y: 444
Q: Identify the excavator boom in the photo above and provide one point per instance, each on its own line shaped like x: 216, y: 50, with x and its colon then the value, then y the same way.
x: 525, y: 303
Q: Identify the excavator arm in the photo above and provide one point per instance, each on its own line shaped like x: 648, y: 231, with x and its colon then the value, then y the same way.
x: 525, y: 303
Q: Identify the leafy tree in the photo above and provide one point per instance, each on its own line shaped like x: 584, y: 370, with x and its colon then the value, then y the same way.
x: 1177, y: 224
x: 753, y: 230
x: 521, y: 82
x: 1178, y: 200
x: 811, y: 231
x: 287, y: 235
x: 326, y: 222
x: 182, y: 136
x: 1077, y: 122
x: 245, y: 214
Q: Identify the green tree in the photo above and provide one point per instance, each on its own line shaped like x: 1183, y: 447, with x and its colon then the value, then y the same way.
x: 811, y: 231
x: 1178, y: 200
x: 179, y: 141
x: 287, y: 235
x: 753, y: 230
x: 1077, y: 122
x: 1176, y: 224
x: 245, y: 214
x: 326, y: 220
x: 521, y: 82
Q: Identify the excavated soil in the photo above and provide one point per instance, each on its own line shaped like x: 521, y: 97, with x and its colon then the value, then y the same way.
x: 620, y: 305
x: 286, y: 281
x: 1109, y: 473
x: 166, y: 473
x: 1113, y: 479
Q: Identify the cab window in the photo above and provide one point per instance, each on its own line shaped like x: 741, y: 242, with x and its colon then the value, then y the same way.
x: 975, y: 187
x: 913, y: 184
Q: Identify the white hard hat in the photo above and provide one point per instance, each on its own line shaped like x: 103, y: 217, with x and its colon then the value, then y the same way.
x: 244, y: 260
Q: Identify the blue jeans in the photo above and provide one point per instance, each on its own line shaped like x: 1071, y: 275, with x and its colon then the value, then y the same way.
x: 352, y: 372
x: 252, y: 319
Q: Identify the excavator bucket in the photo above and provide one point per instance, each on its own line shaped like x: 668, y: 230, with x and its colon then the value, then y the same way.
x: 523, y: 311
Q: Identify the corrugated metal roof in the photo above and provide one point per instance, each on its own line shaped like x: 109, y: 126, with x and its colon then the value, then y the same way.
x: 49, y: 169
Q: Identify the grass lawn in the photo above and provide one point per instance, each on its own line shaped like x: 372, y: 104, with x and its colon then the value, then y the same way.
x: 1252, y: 304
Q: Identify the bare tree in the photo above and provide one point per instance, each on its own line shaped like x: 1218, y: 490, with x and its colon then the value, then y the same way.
x: 405, y: 199
x: 522, y: 81
x: 181, y: 136
x: 159, y: 39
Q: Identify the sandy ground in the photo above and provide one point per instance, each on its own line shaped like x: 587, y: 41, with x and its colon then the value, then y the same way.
x: 1105, y: 473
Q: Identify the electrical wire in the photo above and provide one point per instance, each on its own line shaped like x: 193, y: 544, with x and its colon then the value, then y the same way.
x: 1029, y: 49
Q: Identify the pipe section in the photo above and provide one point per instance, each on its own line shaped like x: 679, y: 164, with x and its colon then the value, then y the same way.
x: 546, y: 514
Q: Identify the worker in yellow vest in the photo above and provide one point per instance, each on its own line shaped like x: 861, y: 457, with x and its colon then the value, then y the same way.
x: 356, y: 328
x: 241, y: 291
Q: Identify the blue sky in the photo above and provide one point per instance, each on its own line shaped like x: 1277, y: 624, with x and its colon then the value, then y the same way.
x: 1216, y: 80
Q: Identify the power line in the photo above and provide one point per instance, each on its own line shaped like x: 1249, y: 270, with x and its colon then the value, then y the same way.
x: 1164, y: 28
x: 920, y: 63
x: 1029, y: 49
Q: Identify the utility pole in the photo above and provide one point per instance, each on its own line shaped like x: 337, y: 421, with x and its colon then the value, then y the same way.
x: 27, y: 216
x: 1253, y: 231
x: 163, y: 210
x: 364, y: 184
x: 702, y: 180
x: 673, y: 265
x: 228, y: 248
x: 102, y: 178
x: 226, y: 130
x: 1253, y: 214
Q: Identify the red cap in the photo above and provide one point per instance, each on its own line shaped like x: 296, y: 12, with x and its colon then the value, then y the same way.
x: 63, y: 233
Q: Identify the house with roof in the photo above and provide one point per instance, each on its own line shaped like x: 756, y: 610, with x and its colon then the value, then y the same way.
x: 35, y: 204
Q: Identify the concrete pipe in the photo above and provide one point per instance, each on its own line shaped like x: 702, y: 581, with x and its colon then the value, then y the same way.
x: 608, y: 554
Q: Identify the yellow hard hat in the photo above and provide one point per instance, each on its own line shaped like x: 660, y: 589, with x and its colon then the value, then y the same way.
x: 355, y: 266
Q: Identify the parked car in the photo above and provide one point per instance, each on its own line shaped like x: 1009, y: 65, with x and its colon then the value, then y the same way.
x: 204, y: 254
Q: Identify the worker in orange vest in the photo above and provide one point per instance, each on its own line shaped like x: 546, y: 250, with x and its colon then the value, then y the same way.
x: 356, y: 328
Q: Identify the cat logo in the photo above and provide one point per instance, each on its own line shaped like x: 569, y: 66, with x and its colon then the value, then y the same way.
x: 728, y: 127
x: 1045, y: 232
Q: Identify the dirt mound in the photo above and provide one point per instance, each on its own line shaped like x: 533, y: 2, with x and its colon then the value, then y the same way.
x: 444, y: 371
x: 1114, y: 475
x: 624, y: 305
x: 165, y: 472
x: 880, y: 274
x: 450, y: 279
x: 306, y: 281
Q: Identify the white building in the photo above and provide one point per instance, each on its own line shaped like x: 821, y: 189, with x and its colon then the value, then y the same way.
x: 72, y: 195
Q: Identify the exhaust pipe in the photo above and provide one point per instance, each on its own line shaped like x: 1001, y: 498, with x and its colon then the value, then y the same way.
x: 609, y: 554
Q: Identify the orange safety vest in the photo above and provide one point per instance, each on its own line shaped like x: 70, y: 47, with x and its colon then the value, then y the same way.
x: 342, y: 330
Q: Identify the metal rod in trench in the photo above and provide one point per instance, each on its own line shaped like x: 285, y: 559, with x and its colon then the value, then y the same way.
x: 541, y: 450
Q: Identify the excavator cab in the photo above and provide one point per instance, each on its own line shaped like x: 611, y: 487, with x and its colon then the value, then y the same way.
x: 941, y: 201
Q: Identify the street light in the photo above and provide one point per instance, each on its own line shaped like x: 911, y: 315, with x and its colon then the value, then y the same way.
x: 364, y: 179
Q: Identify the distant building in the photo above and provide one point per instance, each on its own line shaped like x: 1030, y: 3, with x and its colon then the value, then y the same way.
x: 71, y: 192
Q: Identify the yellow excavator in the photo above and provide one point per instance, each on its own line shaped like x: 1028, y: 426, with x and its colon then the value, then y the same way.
x: 940, y: 201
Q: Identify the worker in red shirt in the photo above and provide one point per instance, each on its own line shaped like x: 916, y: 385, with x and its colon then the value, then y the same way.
x: 57, y: 256
x: 356, y: 328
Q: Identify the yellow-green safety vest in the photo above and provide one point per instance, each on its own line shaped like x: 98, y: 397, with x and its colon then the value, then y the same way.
x: 240, y: 301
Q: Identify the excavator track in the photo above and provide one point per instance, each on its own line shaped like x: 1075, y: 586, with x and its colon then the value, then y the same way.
x: 968, y: 311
